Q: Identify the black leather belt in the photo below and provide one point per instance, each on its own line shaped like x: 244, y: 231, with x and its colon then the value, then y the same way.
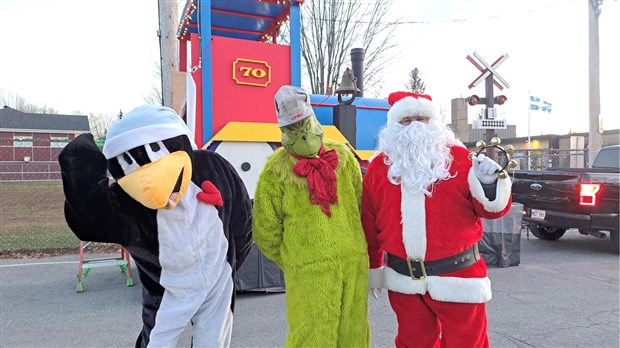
x: 418, y: 269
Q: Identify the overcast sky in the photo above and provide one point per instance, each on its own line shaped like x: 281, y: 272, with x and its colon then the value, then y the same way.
x: 100, y: 56
x: 547, y: 45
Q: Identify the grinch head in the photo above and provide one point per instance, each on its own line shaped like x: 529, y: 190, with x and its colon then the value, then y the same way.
x: 302, y: 134
x: 303, y: 138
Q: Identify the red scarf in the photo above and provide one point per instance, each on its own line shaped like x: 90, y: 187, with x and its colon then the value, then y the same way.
x: 321, y: 175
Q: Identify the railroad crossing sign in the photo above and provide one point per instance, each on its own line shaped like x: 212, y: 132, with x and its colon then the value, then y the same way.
x: 486, y: 70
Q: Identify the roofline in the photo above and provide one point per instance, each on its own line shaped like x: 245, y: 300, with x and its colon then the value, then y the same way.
x: 39, y: 113
x: 20, y: 130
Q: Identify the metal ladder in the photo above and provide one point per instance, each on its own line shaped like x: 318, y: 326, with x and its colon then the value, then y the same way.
x: 123, y: 262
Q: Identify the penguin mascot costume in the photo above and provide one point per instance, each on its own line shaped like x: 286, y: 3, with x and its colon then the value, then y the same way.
x: 183, y: 214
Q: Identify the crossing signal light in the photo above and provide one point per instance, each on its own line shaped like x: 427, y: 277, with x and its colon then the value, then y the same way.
x: 500, y: 99
x: 473, y: 100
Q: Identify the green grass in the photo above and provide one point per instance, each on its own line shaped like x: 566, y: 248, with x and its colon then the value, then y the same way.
x: 32, y: 218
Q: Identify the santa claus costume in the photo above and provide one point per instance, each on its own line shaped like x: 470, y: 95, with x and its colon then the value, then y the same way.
x: 422, y: 203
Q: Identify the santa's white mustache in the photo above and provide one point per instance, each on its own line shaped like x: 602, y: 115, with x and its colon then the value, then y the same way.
x: 418, y: 155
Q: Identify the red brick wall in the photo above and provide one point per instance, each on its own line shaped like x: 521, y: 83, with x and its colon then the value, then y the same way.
x: 43, y: 159
x: 6, y: 146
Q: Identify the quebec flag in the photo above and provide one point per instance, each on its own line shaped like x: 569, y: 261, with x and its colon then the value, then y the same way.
x: 537, y: 104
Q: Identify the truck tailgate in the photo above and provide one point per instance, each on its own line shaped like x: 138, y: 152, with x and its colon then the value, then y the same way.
x: 557, y: 192
x: 547, y: 190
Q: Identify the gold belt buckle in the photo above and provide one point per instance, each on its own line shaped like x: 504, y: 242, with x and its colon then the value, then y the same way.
x: 412, y: 269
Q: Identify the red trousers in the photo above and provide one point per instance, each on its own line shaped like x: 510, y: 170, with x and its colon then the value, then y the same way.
x: 426, y: 323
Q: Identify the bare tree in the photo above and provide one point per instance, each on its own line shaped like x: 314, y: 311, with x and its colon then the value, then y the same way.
x: 46, y: 110
x: 17, y: 102
x: 154, y: 96
x: 415, y: 83
x: 14, y: 101
x: 99, y: 124
x: 330, y: 29
x: 443, y: 113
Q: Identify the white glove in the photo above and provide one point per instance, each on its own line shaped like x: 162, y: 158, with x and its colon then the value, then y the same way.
x: 486, y: 169
x: 374, y: 292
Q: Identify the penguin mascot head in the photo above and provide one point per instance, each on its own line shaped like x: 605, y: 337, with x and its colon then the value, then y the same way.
x: 150, y: 154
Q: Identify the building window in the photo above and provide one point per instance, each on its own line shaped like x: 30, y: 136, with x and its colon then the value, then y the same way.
x: 22, y: 141
x: 59, y: 142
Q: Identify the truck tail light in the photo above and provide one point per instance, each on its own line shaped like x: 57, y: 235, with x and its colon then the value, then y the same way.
x: 587, y: 193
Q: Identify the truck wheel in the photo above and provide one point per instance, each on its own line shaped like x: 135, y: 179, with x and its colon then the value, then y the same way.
x: 546, y: 232
x: 613, y: 235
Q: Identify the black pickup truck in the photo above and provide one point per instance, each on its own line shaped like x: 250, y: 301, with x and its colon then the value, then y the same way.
x: 557, y: 199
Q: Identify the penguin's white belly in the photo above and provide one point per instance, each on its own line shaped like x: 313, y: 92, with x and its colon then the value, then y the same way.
x: 192, y: 246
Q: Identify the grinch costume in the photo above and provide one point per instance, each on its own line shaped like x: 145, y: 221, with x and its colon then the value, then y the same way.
x: 307, y: 220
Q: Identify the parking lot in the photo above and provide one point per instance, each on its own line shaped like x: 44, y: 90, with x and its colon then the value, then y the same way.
x: 562, y: 294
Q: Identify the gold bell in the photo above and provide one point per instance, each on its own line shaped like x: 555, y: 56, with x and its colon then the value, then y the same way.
x: 471, y: 156
x: 496, y: 141
x: 347, y: 84
x: 509, y: 149
x: 480, y: 144
x: 347, y: 87
x: 512, y: 164
x: 502, y: 174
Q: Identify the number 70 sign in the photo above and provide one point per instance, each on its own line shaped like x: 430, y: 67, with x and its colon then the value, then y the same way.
x: 251, y: 72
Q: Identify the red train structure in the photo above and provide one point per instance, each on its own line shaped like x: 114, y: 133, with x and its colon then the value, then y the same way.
x: 236, y: 64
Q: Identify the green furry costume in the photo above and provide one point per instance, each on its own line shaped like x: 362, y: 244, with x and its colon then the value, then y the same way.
x: 324, y: 259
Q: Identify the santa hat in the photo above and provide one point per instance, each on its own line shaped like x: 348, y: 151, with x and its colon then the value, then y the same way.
x: 405, y: 104
x: 144, y: 125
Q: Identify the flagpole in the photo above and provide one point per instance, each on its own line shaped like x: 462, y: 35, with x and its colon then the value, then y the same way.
x: 529, y: 141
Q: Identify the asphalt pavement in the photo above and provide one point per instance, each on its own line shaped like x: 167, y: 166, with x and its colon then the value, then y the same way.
x: 562, y: 294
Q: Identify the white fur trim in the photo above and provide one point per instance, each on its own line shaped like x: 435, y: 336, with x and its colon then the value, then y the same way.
x: 410, y: 106
x: 375, y: 278
x: 462, y: 290
x: 445, y: 289
x: 413, y: 212
x: 502, y: 193
x: 402, y: 283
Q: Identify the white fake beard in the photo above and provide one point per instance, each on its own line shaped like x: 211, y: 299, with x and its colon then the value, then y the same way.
x: 418, y: 155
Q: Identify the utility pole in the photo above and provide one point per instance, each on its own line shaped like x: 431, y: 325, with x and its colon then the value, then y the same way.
x: 595, y: 136
x: 168, y: 19
x: 490, y: 104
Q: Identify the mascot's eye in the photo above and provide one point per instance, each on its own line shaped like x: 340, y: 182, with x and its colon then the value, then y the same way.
x: 154, y: 147
x: 127, y: 158
x: 308, y: 126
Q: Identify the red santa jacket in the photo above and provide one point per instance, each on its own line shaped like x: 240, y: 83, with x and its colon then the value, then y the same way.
x: 433, y: 227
